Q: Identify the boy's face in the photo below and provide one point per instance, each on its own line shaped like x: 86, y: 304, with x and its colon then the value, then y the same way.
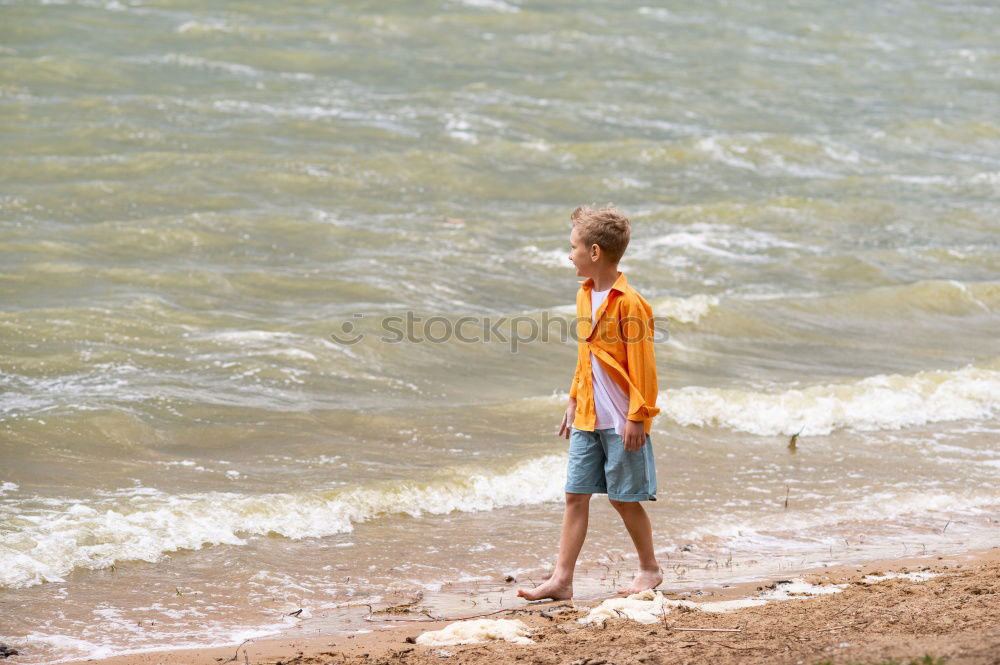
x: 584, y: 258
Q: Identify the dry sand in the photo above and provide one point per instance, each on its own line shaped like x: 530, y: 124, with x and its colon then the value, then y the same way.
x: 954, y: 617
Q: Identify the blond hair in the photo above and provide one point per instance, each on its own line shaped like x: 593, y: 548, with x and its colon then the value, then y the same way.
x: 607, y: 227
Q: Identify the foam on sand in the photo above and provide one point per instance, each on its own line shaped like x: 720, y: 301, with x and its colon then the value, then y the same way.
x: 915, y: 576
x: 645, y: 607
x: 799, y: 588
x: 650, y: 606
x: 477, y: 630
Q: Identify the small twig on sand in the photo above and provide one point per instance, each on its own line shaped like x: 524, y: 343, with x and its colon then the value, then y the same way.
x: 397, y: 619
x: 237, y: 654
x: 848, y: 607
x: 846, y: 625
x: 403, y: 608
x: 730, y: 646
x: 710, y: 630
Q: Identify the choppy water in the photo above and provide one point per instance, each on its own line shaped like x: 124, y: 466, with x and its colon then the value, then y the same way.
x: 195, y: 197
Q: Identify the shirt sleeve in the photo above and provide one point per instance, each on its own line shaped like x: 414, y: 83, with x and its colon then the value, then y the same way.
x: 576, y: 372
x: 576, y: 378
x: 640, y: 359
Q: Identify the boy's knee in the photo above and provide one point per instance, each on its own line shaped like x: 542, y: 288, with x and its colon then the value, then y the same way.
x: 577, y: 499
x: 624, y: 506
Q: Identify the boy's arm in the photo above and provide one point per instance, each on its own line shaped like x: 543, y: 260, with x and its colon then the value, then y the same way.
x: 566, y: 425
x: 568, y: 416
x: 576, y: 378
x: 576, y: 372
x: 637, y: 329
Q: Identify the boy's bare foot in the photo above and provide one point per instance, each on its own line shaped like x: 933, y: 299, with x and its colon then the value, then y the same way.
x: 549, y: 589
x: 646, y: 579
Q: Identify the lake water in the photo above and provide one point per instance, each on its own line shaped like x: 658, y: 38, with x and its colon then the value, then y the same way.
x: 198, y: 199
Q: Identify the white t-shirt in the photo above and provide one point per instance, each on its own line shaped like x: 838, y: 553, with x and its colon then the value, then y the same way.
x: 610, y: 401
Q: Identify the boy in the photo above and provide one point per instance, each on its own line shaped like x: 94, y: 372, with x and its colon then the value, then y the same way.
x: 611, y: 402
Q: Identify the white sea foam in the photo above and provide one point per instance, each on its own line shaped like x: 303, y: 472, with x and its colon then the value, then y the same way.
x: 204, y: 26
x: 796, y: 156
x: 798, y: 532
x: 989, y: 178
x: 650, y: 606
x: 202, y: 63
x: 495, y: 5
x: 72, y: 646
x: 143, y: 526
x: 667, y: 16
x: 685, y: 310
x: 210, y: 634
x: 555, y: 258
x: 724, y: 605
x: 477, y: 630
x: 459, y: 127
x: 724, y: 240
x: 915, y: 576
x: 874, y: 403
x: 986, y: 177
x: 248, y: 337
x: 799, y: 588
x: 645, y: 607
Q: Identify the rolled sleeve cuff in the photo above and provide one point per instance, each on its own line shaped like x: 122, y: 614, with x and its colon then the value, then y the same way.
x: 642, y: 413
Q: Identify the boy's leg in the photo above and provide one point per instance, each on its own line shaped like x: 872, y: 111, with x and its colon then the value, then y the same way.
x: 632, y: 478
x: 574, y: 530
x: 641, y: 530
x: 584, y: 477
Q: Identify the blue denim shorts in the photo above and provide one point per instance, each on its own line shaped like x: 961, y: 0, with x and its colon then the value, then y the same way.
x: 599, y: 464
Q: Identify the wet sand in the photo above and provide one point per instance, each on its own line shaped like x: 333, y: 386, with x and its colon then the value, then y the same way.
x: 954, y: 616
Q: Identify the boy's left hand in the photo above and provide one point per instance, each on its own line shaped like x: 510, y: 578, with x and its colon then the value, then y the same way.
x: 634, y: 435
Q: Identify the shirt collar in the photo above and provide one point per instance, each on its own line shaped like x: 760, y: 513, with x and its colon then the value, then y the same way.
x: 619, y: 284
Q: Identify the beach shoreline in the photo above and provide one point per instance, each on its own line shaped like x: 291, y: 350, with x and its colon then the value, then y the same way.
x: 966, y: 584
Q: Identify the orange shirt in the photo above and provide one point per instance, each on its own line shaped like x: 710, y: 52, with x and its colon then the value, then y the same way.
x: 621, y: 338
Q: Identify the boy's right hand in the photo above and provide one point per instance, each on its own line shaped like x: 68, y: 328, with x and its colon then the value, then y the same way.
x: 568, y: 417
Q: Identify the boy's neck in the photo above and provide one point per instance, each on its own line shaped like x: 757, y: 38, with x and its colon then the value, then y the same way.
x: 605, y: 279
